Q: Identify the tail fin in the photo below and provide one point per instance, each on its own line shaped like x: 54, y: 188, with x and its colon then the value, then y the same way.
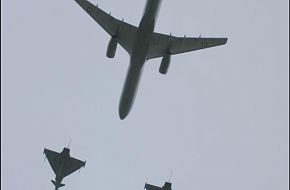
x: 60, y: 185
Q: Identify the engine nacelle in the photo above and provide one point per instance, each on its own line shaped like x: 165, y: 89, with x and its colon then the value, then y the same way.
x: 111, y: 50
x: 164, y: 64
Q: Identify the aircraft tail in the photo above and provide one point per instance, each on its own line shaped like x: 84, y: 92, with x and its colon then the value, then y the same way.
x: 54, y: 183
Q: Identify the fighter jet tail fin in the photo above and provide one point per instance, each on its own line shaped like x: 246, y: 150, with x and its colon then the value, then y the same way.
x: 61, y: 185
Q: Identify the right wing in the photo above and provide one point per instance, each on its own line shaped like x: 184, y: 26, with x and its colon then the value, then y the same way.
x: 162, y: 44
x: 151, y: 187
x: 72, y: 165
x: 52, y: 158
x: 123, y: 32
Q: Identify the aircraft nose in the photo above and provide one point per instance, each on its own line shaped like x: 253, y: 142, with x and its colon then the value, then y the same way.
x: 123, y: 113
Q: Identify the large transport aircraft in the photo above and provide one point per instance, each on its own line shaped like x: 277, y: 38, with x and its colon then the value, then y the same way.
x: 142, y: 44
x: 62, y: 164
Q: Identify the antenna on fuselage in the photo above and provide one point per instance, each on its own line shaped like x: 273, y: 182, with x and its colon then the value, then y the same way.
x: 69, y: 143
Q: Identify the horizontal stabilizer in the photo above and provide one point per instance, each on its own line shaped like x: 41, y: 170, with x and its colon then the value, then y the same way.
x: 60, y: 185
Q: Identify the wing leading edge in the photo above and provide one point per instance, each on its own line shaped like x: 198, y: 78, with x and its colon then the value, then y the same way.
x: 151, y: 187
x: 162, y: 44
x: 52, y: 158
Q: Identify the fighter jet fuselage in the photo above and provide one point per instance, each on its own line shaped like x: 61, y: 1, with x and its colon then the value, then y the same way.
x: 63, y: 160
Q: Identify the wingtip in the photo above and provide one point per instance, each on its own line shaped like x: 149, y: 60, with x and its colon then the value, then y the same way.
x: 226, y: 40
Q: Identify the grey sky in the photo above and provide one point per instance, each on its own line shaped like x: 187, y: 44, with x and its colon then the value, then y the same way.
x: 217, y: 120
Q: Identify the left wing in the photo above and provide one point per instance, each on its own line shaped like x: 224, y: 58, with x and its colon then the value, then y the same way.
x: 162, y: 44
x: 72, y: 165
x: 52, y: 158
x: 151, y: 187
x: 123, y: 32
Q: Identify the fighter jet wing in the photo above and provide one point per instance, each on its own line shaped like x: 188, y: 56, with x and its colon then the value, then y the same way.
x: 123, y: 32
x: 151, y: 187
x: 72, y: 165
x: 162, y: 44
x: 52, y: 158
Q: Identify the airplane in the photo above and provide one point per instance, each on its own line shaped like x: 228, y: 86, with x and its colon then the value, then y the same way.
x: 166, y: 186
x: 62, y: 164
x: 142, y: 44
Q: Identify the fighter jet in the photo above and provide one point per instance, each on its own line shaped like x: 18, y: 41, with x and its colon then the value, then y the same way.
x: 166, y: 186
x: 143, y: 44
x: 62, y: 164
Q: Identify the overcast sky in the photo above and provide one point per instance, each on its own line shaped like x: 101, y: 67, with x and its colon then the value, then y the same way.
x: 218, y: 120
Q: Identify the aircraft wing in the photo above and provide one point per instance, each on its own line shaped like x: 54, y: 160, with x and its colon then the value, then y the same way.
x: 151, y: 187
x: 162, y: 44
x: 123, y: 32
x: 52, y: 158
x: 72, y: 165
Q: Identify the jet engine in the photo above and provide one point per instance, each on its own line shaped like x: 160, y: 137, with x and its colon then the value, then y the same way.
x: 164, y: 64
x: 111, y: 50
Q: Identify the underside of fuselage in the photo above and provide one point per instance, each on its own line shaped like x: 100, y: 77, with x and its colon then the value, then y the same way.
x: 130, y: 88
x: 138, y: 57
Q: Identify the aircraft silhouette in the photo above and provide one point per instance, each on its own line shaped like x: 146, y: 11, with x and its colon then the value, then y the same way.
x: 142, y: 44
x: 62, y: 164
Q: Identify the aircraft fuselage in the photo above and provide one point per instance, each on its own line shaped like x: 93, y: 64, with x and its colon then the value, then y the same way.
x: 64, y: 157
x: 138, y: 56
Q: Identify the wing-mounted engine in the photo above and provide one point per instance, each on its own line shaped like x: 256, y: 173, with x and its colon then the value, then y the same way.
x: 112, y: 46
x: 164, y: 64
x: 111, y: 50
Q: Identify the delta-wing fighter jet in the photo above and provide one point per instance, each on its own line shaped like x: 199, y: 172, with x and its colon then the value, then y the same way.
x: 62, y: 164
x: 142, y: 44
x: 166, y: 186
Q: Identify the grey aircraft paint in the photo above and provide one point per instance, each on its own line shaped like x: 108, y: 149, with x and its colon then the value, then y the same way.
x: 143, y: 44
x: 62, y: 164
x: 166, y: 186
x: 138, y: 57
x: 218, y: 121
